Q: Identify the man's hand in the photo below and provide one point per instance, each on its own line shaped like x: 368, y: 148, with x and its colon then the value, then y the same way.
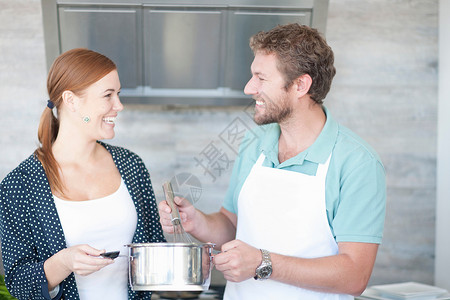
x: 238, y: 261
x: 187, y: 214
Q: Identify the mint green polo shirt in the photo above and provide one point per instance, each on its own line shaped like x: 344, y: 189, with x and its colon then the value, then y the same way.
x: 355, y: 187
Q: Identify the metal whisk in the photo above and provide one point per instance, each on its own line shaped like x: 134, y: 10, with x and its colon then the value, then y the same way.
x: 179, y: 235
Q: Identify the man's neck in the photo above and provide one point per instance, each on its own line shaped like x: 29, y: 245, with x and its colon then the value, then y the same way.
x: 300, y: 131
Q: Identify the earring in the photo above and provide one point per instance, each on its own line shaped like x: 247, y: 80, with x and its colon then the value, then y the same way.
x: 86, y: 119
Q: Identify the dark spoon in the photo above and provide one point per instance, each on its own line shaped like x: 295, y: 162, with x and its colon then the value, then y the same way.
x: 111, y: 255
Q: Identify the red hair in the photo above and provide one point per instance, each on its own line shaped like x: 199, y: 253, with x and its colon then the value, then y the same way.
x: 74, y: 70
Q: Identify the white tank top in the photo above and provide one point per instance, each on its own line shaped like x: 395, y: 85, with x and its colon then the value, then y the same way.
x: 105, y: 223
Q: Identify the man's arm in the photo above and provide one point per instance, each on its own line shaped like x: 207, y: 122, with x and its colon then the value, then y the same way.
x: 348, y: 272
x: 218, y: 228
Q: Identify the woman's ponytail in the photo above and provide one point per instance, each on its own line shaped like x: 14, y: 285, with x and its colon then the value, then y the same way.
x: 47, y: 132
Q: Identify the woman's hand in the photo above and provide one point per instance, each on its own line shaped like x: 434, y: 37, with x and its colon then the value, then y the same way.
x: 83, y: 259
x: 80, y: 259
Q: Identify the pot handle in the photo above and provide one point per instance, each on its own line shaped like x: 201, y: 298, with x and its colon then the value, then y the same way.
x: 130, y: 259
x: 129, y: 268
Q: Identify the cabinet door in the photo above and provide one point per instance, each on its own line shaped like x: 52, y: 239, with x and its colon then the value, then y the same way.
x: 241, y: 26
x: 113, y: 32
x: 182, y: 48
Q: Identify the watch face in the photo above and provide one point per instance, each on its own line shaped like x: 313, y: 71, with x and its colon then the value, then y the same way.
x: 265, y: 272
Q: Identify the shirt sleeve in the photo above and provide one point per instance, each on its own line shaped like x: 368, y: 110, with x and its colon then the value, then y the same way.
x: 24, y: 274
x: 362, y: 204
x: 54, y: 293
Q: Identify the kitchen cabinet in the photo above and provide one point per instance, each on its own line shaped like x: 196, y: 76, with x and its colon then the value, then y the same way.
x: 242, y: 24
x: 174, y: 53
x: 183, y: 47
x: 114, y: 32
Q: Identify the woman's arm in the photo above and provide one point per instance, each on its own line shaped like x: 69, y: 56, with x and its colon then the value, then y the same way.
x: 24, y: 271
x: 29, y: 272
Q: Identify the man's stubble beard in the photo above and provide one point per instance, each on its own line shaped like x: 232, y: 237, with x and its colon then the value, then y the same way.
x: 273, y: 113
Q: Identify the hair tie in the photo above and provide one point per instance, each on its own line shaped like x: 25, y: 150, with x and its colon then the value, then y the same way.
x: 50, y: 104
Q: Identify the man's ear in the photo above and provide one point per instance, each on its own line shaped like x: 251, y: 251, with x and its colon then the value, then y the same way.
x: 68, y: 98
x: 303, y: 84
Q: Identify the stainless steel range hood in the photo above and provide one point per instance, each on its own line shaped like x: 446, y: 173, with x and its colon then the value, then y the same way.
x: 174, y: 52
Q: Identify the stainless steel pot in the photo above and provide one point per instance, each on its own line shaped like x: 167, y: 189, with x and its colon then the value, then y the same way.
x: 170, y: 266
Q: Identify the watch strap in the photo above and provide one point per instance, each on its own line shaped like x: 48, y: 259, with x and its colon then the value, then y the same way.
x: 266, y: 262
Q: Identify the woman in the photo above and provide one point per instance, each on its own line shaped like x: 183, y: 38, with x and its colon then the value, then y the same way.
x: 76, y: 197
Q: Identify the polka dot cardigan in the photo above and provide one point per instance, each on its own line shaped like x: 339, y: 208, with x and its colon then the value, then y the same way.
x: 31, y: 231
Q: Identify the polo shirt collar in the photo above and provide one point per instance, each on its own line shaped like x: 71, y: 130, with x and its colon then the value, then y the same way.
x: 318, y: 152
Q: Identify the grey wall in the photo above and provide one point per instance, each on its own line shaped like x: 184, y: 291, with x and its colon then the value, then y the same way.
x: 442, y: 260
x: 385, y: 90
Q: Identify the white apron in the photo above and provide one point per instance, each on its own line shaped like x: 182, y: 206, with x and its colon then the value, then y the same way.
x: 285, y: 213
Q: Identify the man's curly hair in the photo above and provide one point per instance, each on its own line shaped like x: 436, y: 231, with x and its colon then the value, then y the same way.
x: 300, y: 50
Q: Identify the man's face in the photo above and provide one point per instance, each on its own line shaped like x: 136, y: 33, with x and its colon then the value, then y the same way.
x: 273, y: 102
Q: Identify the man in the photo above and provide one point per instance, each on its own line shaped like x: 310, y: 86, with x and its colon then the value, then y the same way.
x: 309, y: 192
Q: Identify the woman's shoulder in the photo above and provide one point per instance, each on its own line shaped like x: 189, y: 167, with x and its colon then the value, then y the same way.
x: 29, y: 166
x: 26, y: 169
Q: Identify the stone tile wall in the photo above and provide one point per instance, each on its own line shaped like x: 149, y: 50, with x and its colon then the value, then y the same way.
x: 385, y: 90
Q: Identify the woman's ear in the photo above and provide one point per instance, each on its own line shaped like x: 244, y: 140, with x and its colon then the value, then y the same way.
x: 68, y: 98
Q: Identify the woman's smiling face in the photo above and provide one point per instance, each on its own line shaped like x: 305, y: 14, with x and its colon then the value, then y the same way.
x: 101, y: 103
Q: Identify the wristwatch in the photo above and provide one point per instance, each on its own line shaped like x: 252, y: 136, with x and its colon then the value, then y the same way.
x: 264, y: 270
